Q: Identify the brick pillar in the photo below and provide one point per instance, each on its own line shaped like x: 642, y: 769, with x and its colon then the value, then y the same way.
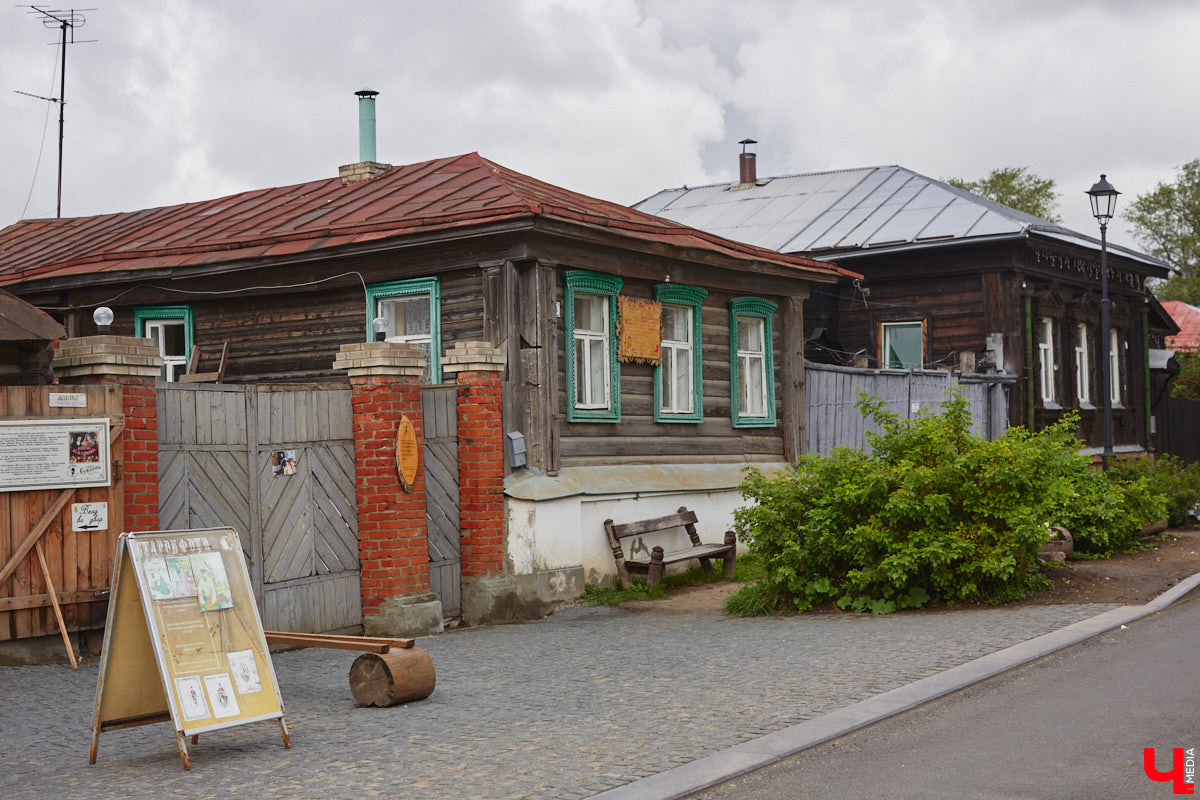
x: 393, y: 547
x: 479, y: 370
x: 134, y: 364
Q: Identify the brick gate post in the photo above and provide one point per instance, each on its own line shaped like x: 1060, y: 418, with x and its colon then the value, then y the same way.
x: 134, y: 365
x: 479, y: 369
x: 393, y: 547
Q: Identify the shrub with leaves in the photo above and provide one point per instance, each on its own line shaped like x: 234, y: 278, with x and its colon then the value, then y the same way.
x: 932, y: 514
x: 1166, y: 475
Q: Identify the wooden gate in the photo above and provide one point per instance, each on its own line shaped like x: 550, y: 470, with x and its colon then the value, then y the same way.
x: 37, y: 524
x: 439, y: 412
x: 276, y: 463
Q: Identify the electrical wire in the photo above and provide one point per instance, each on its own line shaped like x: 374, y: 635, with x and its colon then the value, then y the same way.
x: 119, y: 295
x: 873, y: 302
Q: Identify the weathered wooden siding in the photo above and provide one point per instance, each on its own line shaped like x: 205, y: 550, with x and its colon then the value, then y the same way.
x: 638, y: 438
x: 80, y: 562
x: 300, y: 532
x: 832, y: 392
x: 292, y: 336
x: 949, y: 306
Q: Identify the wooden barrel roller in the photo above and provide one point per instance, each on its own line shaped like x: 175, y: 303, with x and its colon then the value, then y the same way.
x: 397, y: 676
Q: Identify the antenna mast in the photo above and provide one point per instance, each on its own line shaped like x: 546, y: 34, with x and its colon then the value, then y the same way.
x: 65, y: 20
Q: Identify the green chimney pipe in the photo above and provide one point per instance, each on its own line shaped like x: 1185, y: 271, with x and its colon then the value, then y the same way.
x: 366, y: 124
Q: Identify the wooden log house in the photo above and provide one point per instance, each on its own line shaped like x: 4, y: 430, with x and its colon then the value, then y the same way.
x: 951, y: 280
x: 462, y: 249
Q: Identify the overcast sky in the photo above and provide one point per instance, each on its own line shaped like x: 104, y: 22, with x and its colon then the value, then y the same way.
x: 179, y: 101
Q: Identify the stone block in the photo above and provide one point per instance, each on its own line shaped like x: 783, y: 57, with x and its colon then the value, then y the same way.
x: 408, y: 615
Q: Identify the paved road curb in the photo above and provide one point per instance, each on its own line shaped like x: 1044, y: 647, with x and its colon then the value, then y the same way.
x: 711, y: 770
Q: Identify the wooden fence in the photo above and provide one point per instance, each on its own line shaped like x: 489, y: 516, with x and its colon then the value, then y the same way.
x: 830, y: 395
x: 36, y: 525
x: 1183, y: 438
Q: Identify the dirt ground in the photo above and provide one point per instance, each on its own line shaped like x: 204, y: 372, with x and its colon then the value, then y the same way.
x: 1131, y: 579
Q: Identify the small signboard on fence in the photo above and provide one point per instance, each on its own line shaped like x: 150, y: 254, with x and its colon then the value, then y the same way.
x: 182, y: 611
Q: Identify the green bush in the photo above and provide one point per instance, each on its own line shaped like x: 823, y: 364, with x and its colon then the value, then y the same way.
x: 932, y: 514
x: 1166, y: 475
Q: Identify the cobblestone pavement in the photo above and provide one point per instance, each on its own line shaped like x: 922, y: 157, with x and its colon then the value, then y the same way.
x: 586, y: 700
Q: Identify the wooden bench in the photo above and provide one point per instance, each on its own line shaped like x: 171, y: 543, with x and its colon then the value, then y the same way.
x: 653, y: 569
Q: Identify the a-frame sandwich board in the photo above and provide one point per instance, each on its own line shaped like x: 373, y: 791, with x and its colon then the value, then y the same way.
x: 183, y: 642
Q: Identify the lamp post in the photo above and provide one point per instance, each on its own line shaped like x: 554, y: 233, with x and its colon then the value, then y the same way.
x: 1104, y: 204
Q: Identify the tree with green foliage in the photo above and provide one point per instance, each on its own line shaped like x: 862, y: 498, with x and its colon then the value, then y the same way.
x: 1187, y: 382
x: 1017, y: 188
x: 1166, y: 221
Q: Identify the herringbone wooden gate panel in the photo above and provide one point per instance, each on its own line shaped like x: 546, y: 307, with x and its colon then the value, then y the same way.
x: 301, y: 530
x: 439, y: 410
x: 310, y: 522
x: 203, y: 489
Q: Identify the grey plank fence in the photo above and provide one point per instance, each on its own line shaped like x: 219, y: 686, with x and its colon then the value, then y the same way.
x: 831, y: 392
x: 439, y: 414
x: 300, y: 531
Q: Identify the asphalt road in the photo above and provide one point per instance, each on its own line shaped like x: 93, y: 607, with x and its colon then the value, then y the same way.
x: 1072, y: 725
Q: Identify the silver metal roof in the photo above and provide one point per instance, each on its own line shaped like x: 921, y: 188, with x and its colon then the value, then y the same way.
x: 844, y: 212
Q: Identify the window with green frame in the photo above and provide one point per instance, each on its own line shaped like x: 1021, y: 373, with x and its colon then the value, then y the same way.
x: 751, y: 363
x: 171, y: 330
x: 413, y: 311
x: 679, y: 376
x: 593, y: 373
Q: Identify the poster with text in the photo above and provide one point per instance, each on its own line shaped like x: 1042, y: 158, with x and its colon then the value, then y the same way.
x: 204, y: 627
x: 54, y: 453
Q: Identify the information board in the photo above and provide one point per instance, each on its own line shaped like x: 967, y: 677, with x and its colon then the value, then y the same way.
x: 182, y: 607
x: 54, y: 453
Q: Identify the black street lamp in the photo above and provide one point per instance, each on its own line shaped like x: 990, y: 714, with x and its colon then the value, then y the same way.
x: 1104, y: 205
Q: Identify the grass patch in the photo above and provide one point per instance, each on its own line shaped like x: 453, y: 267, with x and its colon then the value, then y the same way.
x: 749, y: 568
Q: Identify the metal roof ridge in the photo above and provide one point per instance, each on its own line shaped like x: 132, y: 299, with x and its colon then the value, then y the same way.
x: 768, y: 178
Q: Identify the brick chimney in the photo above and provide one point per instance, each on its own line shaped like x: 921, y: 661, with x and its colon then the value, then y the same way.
x: 366, y: 167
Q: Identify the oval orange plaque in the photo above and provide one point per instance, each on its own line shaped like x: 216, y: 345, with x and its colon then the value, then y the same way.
x: 407, y: 455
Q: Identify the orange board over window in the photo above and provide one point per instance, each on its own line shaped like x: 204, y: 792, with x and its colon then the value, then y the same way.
x: 639, y: 330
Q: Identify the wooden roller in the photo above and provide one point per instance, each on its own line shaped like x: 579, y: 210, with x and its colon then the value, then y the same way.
x: 397, y: 676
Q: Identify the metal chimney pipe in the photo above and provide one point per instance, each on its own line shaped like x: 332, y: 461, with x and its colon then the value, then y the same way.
x: 366, y: 124
x: 747, y: 170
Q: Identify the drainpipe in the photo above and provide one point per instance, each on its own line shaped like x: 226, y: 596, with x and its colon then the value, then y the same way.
x: 1027, y: 293
x: 366, y: 124
x: 1146, y: 364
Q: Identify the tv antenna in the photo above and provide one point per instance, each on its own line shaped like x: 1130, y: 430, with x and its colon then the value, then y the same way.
x: 66, y: 20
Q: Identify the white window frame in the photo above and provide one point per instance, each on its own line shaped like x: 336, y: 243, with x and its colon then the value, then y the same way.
x: 578, y: 283
x: 743, y: 360
x: 680, y: 359
x: 1083, y: 384
x: 150, y: 322
x: 380, y: 293
x: 687, y: 406
x: 583, y: 367
x: 1046, y: 359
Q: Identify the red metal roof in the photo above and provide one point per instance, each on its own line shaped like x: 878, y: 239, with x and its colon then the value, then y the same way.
x: 434, y: 195
x: 1187, y: 317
